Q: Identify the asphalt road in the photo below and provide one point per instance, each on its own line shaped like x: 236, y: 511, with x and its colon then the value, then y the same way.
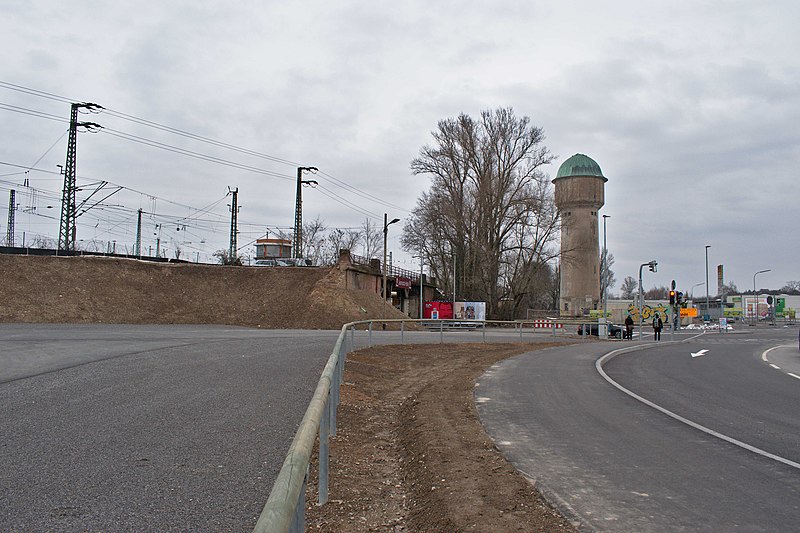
x: 616, y: 464
x: 147, y: 428
x: 135, y: 428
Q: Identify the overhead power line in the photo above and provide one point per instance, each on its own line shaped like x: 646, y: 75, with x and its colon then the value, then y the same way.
x: 198, y: 155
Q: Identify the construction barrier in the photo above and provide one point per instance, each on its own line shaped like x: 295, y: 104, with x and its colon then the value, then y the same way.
x: 544, y: 324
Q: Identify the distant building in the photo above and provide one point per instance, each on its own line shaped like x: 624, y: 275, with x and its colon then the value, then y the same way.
x: 579, y: 194
x: 273, y: 248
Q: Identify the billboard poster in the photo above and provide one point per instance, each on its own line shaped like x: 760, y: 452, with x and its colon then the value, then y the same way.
x: 720, y: 282
x: 469, y: 311
x: 756, y: 307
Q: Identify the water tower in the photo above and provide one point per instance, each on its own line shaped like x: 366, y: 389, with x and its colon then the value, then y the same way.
x: 579, y: 194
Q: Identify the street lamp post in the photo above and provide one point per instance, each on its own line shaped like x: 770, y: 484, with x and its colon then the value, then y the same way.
x: 755, y: 296
x: 385, y: 235
x: 420, y: 287
x: 297, y: 245
x: 691, y: 294
x: 421, y: 258
x: 604, y: 276
x: 708, y: 311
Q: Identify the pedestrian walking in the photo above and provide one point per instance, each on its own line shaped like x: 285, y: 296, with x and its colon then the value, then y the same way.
x: 658, y: 324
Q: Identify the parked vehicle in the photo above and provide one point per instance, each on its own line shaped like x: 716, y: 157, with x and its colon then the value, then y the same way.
x: 613, y: 330
x: 293, y: 261
x: 265, y: 263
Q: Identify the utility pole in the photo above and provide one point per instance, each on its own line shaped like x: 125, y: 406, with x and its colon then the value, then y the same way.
x: 12, y: 207
x: 234, y: 211
x: 297, y: 241
x: 67, y: 229
x: 138, y: 250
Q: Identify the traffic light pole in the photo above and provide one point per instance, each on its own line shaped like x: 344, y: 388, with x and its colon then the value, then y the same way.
x: 653, y: 267
x: 672, y: 310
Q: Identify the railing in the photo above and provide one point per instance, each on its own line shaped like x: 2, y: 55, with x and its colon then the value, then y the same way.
x: 285, y: 507
x: 391, y: 271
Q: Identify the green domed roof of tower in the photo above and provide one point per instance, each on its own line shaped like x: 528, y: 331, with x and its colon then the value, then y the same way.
x: 579, y: 165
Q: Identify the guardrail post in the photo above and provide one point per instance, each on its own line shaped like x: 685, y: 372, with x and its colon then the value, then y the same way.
x: 484, y: 331
x: 299, y: 519
x: 338, y: 379
x: 441, y: 332
x: 370, y: 334
x: 352, y: 338
x: 520, y: 331
x: 402, y: 331
x: 554, y: 328
x: 324, y: 451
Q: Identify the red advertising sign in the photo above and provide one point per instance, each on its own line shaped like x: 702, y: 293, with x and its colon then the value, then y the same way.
x: 402, y: 283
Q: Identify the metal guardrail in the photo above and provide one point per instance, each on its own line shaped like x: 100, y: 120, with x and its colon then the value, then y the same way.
x: 285, y: 508
x: 391, y: 270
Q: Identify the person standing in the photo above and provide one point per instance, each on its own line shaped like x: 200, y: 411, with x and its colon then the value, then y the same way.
x: 658, y: 324
x: 629, y: 327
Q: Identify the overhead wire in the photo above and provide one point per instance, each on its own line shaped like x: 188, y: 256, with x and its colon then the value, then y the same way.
x: 204, y: 139
x: 32, y: 112
x: 190, y: 153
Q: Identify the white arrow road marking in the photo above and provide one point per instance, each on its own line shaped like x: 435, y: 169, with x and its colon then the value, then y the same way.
x: 699, y: 353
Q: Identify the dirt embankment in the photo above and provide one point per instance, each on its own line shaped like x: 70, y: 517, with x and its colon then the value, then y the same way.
x: 126, y: 291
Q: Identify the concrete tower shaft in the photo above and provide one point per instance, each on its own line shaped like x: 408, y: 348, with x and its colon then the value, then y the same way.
x: 579, y: 194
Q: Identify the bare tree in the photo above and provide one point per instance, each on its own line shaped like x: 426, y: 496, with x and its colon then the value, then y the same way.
x: 339, y: 239
x: 489, y: 209
x: 314, y: 241
x: 728, y: 289
x: 629, y: 287
x: 791, y: 287
x: 371, y: 238
x: 656, y: 293
x: 607, y: 279
x: 224, y: 257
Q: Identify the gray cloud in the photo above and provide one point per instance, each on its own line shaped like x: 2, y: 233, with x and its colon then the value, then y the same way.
x: 690, y: 110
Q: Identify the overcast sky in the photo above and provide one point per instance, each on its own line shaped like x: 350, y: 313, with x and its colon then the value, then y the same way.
x: 690, y: 108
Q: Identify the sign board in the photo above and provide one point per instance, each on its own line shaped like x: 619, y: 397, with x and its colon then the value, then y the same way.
x: 402, y: 283
x: 688, y: 312
x: 469, y: 311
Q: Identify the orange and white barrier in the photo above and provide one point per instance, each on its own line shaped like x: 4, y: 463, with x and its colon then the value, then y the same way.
x: 544, y: 324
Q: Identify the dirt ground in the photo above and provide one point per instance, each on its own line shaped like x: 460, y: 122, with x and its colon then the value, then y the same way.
x: 411, y: 455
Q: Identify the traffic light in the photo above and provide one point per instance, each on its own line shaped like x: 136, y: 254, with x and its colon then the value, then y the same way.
x: 679, y: 297
x: 671, y: 297
x: 652, y: 265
